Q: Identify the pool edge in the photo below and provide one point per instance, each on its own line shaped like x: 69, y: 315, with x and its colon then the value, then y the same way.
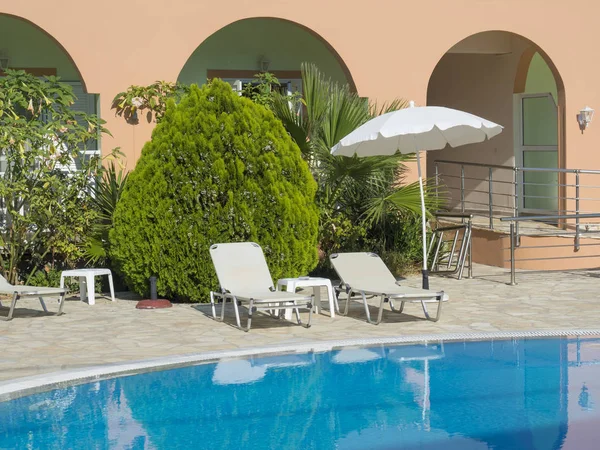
x: 20, y: 387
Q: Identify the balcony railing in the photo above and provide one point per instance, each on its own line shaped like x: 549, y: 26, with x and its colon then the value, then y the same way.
x: 526, y: 202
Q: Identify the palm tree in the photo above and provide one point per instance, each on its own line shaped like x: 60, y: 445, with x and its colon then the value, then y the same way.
x: 367, y: 191
x: 107, y: 192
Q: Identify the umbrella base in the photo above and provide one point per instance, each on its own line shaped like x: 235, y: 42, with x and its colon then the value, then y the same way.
x: 425, y: 273
x: 153, y: 304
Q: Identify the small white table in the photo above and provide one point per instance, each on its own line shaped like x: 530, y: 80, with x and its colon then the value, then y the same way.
x: 292, y: 283
x: 86, y: 282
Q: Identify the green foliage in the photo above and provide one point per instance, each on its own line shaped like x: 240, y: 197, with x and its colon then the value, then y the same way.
x: 153, y: 99
x: 367, y: 193
x: 107, y: 193
x: 47, y: 176
x: 219, y: 168
x: 50, y: 277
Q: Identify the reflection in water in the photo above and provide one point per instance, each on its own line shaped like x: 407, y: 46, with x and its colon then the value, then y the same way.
x: 518, y: 394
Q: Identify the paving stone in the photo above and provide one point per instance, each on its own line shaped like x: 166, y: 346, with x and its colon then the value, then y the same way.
x: 36, y: 343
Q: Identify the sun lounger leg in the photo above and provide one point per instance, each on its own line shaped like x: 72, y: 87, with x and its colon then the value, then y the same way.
x: 212, y: 305
x: 368, y: 313
x: 223, y: 303
x: 310, y: 311
x: 380, y: 314
x: 237, y: 311
x: 214, y: 299
x: 250, y: 312
x: 348, y: 295
x: 393, y: 308
x: 299, y: 320
x: 61, y: 303
x: 439, y: 310
x: 297, y: 313
x: 12, y: 306
x: 43, y: 304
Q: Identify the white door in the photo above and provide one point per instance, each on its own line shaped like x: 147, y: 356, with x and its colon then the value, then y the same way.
x: 536, y: 146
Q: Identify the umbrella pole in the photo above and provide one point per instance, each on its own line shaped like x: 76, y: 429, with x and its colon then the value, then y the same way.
x: 425, y: 272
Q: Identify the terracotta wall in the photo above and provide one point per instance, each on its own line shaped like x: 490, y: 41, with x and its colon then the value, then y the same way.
x: 483, y: 84
x: 492, y: 248
x: 390, y: 48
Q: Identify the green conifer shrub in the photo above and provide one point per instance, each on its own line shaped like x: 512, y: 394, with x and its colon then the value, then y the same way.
x: 219, y: 168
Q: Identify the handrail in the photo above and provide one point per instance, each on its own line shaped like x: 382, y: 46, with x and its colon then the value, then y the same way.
x: 495, y: 166
x: 523, y: 189
x: 455, y: 215
x: 524, y: 169
x: 557, y: 217
x: 513, y: 237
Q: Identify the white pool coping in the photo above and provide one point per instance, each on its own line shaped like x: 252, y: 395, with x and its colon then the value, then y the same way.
x: 20, y: 387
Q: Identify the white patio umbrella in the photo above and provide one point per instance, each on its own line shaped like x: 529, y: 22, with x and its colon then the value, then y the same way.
x: 412, y: 130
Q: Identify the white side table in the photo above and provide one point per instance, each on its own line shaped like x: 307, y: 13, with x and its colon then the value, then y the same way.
x: 292, y: 283
x: 86, y: 282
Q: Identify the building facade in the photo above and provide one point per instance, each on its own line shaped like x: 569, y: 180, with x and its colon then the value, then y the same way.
x: 528, y: 65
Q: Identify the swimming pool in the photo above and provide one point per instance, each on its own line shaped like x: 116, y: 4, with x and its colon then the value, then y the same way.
x: 507, y: 394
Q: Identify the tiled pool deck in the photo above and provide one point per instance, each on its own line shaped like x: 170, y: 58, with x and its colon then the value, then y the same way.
x: 34, y: 343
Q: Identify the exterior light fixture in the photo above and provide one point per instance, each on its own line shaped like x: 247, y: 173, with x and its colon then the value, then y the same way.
x: 237, y: 87
x: 264, y: 64
x: 585, y: 117
x: 3, y: 62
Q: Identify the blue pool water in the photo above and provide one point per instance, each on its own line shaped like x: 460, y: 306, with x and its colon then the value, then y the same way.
x: 515, y: 394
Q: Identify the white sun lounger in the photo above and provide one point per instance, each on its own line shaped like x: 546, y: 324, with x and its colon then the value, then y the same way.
x: 30, y: 291
x: 245, y: 278
x: 366, y: 274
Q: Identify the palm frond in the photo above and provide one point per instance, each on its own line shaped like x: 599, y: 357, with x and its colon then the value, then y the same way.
x: 403, y: 200
x: 396, y: 104
x: 294, y: 123
x: 108, y: 191
x: 346, y: 113
x: 95, y: 251
x: 315, y: 90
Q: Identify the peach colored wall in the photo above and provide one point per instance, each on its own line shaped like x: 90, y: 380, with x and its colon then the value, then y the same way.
x: 390, y: 49
x: 482, y: 84
x: 493, y: 248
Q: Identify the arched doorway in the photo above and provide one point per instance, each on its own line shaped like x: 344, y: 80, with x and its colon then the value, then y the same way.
x: 537, y: 108
x: 25, y: 46
x: 508, y: 79
x: 238, y: 51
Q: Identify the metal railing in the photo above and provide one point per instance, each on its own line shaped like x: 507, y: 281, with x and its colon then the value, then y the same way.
x: 564, y: 217
x: 450, y: 256
x: 492, y: 191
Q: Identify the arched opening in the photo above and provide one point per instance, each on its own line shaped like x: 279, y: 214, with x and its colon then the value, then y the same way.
x: 509, y: 80
x: 244, y: 48
x: 25, y: 46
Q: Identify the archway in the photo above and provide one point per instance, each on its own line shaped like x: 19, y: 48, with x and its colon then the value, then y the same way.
x: 25, y: 46
x: 510, y: 80
x: 244, y: 48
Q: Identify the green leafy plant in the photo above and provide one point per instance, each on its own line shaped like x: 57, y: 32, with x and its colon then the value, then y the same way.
x: 219, y: 168
x: 46, y: 174
x: 106, y: 195
x: 50, y: 277
x: 366, y: 192
x: 152, y: 99
x: 262, y: 90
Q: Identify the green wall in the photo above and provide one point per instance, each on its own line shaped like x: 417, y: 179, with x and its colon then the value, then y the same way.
x: 28, y: 46
x: 540, y: 78
x: 240, y: 45
x: 540, y: 128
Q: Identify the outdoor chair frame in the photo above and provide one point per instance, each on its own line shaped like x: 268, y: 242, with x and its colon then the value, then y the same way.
x: 365, y: 274
x: 244, y: 277
x: 30, y: 291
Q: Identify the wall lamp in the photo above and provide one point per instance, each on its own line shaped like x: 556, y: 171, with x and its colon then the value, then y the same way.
x: 264, y: 64
x: 585, y: 117
x: 3, y: 62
